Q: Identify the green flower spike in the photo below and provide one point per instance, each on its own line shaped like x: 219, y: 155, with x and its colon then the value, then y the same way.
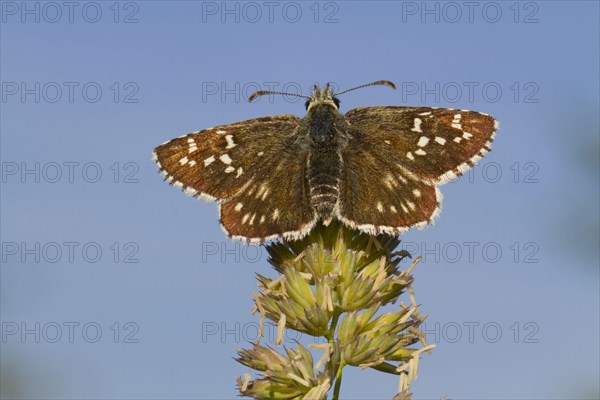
x: 284, y: 377
x: 333, y: 285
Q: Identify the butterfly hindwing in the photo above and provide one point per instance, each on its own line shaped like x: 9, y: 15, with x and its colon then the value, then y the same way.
x: 378, y: 194
x: 249, y: 167
x: 275, y: 204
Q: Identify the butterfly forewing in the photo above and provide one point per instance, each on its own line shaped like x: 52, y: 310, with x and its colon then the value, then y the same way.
x: 218, y: 161
x: 255, y: 168
x: 433, y: 143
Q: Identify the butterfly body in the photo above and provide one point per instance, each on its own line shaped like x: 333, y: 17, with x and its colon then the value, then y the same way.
x: 326, y: 131
x: 375, y: 169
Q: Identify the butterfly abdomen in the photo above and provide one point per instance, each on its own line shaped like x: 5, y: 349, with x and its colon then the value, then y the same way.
x: 323, y: 180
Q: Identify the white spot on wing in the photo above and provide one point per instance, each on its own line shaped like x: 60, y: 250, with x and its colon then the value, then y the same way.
x: 262, y: 189
x: 264, y: 195
x: 209, y: 161
x: 379, y: 207
x: 423, y: 140
x: 229, y: 169
x: 420, y: 152
x: 183, y: 161
x: 440, y: 140
x: 417, y: 127
x: 230, y: 143
x: 225, y: 159
x: 390, y: 181
x: 410, y: 156
x: 238, y: 206
x: 275, y: 214
x: 417, y: 192
x: 456, y: 122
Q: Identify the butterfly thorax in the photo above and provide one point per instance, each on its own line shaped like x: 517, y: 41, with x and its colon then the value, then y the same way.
x: 325, y: 128
x: 320, y: 123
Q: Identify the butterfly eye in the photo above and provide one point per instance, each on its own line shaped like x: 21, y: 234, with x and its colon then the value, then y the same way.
x: 336, y: 101
x: 306, y: 104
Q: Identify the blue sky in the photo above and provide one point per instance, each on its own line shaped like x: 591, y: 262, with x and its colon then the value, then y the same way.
x: 149, y: 296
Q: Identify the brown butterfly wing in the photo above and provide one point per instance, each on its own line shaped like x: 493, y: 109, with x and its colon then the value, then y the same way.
x: 256, y: 169
x: 397, y: 155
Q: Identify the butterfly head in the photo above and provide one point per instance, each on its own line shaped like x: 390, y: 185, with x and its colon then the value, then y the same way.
x: 322, y: 97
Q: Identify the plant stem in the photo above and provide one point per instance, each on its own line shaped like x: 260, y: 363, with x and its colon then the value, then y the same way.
x: 332, y: 327
x: 338, y: 374
x: 338, y: 382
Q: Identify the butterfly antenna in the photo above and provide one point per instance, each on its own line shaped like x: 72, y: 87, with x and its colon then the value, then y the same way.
x: 384, y: 83
x: 263, y: 92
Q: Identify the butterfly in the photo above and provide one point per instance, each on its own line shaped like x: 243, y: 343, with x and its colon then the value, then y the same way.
x: 374, y: 169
